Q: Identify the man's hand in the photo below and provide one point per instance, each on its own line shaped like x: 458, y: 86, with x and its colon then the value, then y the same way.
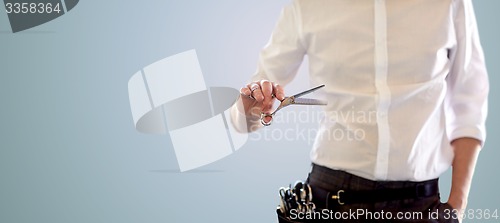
x: 260, y: 97
x: 256, y: 98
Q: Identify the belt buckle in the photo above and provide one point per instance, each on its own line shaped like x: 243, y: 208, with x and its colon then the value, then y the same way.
x: 337, y: 197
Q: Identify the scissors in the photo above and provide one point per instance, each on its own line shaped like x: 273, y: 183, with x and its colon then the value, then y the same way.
x: 292, y: 100
x: 285, y: 196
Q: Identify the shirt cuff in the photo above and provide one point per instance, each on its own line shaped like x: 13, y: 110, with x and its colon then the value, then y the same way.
x: 475, y: 132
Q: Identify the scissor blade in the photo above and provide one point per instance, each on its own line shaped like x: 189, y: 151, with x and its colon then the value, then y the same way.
x: 308, y: 91
x: 309, y: 101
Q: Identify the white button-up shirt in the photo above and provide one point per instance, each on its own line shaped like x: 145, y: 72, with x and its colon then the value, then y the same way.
x: 403, y: 79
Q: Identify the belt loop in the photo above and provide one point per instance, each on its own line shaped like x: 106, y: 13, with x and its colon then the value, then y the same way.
x: 420, y: 190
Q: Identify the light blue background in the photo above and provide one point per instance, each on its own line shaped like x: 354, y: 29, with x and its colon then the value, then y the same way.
x: 69, y: 151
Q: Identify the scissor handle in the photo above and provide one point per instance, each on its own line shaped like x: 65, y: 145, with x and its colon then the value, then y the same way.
x: 263, y: 116
x: 285, y: 102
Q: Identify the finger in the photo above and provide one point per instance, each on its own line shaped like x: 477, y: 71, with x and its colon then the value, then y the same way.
x: 267, y: 90
x: 267, y: 118
x: 278, y: 91
x: 256, y: 92
x: 246, y: 91
x: 249, y: 85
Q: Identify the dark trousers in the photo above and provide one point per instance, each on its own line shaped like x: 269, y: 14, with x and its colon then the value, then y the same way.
x: 420, y: 209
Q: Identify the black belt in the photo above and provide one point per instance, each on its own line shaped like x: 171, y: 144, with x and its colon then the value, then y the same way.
x: 322, y: 198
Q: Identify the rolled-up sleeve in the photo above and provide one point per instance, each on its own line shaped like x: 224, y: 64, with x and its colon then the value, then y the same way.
x: 467, y: 96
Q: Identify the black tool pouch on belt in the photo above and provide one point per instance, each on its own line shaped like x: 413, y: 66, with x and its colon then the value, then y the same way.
x: 295, y: 201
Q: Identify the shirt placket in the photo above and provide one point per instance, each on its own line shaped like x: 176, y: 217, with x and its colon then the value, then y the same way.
x: 383, y: 92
